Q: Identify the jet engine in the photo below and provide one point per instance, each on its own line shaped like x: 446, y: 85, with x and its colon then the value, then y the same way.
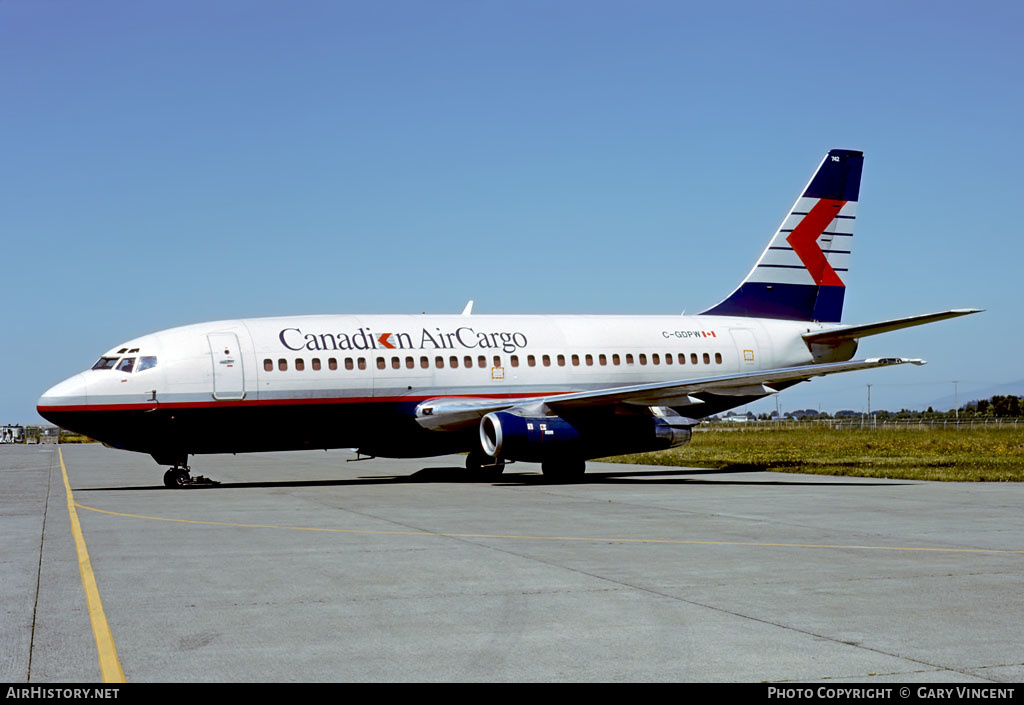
x: 515, y: 436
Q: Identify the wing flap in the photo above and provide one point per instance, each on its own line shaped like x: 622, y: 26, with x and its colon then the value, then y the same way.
x: 744, y: 384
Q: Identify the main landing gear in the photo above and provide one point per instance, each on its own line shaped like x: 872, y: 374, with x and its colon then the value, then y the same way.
x: 179, y: 476
x: 484, y: 465
x: 564, y: 469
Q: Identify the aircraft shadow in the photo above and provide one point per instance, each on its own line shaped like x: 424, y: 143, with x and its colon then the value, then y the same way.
x: 458, y: 475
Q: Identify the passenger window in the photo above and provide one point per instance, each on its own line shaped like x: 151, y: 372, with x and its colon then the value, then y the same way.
x: 531, y: 361
x: 668, y: 358
x: 514, y: 361
x: 410, y: 363
x: 349, y: 365
x: 332, y: 364
x: 316, y: 363
x: 707, y: 359
x: 590, y: 360
x: 546, y: 361
x: 718, y: 358
x: 282, y: 365
x: 561, y: 360
x: 467, y: 361
x: 300, y: 365
x: 424, y: 362
x: 655, y: 359
x: 615, y: 359
x: 126, y: 365
x: 439, y: 362
x: 643, y: 358
x: 481, y: 361
x: 682, y: 358
x: 361, y: 363
x: 693, y: 358
x: 497, y: 360
x: 453, y: 362
x: 149, y: 361
x: 396, y: 363
x: 105, y: 363
x: 629, y: 358
x: 268, y: 365
x: 381, y: 363
x: 575, y: 360
x: 602, y: 359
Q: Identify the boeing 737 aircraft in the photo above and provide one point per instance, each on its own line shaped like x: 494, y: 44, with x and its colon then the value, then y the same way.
x: 557, y: 390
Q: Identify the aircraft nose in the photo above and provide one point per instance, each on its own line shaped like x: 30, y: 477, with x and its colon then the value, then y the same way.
x: 71, y: 392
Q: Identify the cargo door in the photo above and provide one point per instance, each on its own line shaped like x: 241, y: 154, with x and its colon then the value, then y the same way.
x: 228, y: 375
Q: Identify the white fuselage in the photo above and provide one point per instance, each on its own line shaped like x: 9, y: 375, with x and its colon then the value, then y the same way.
x: 309, y: 358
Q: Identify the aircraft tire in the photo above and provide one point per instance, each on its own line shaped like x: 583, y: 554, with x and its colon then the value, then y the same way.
x: 175, y: 478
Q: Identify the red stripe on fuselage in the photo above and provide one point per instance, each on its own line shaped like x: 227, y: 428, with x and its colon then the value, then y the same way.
x: 804, y: 241
x: 143, y: 406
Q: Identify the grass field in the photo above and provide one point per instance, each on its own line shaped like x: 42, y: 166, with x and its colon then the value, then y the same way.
x: 981, y: 455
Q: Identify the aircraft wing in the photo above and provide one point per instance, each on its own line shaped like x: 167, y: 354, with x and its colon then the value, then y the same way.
x: 455, y: 413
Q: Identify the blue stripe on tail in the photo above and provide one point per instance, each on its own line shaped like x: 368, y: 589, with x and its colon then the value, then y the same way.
x: 838, y: 177
x: 792, y: 302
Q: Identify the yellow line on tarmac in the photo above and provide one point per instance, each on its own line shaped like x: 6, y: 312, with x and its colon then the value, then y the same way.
x: 556, y: 538
x: 110, y: 667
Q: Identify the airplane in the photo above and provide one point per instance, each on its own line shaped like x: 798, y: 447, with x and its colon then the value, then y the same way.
x: 551, y: 389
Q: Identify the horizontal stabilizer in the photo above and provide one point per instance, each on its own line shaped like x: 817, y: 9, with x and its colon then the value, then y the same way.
x: 836, y: 336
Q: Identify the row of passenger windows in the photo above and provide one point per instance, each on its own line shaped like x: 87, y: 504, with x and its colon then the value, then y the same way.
x: 454, y: 361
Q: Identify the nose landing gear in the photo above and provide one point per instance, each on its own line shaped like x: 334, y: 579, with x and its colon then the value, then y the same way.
x: 178, y: 477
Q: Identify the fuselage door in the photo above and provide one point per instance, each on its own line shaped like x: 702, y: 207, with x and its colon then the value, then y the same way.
x: 746, y: 348
x: 228, y: 375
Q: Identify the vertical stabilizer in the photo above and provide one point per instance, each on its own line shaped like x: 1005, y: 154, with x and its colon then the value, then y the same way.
x: 800, y: 275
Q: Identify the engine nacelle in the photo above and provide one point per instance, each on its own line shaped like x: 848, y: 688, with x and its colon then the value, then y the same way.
x: 511, y: 436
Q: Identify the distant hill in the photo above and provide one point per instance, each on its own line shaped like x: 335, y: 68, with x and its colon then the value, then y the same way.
x: 969, y: 394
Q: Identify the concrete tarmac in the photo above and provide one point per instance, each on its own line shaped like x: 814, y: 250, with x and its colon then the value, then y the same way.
x: 305, y: 567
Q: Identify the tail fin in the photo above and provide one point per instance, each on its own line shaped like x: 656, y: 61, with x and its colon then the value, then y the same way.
x: 800, y: 274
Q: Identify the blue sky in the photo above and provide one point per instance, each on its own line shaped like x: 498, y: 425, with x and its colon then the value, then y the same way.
x: 169, y: 163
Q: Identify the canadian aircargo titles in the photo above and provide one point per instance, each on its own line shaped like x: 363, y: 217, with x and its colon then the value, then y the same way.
x: 363, y: 339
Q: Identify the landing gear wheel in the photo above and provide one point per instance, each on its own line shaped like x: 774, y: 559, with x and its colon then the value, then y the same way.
x: 479, y: 462
x: 176, y: 478
x: 564, y: 469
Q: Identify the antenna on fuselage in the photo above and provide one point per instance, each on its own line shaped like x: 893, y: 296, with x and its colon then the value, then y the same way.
x: 469, y: 308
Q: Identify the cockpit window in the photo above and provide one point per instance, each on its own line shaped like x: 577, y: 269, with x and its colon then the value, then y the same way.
x: 146, y: 362
x: 126, y: 365
x: 105, y: 363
